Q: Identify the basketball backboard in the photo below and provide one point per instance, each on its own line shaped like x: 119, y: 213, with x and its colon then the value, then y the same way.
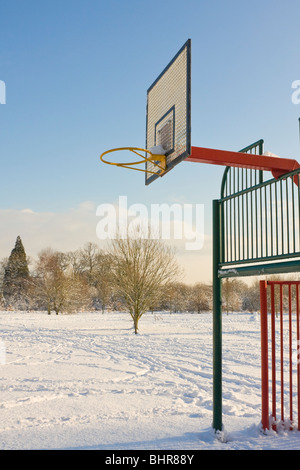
x: 168, y: 116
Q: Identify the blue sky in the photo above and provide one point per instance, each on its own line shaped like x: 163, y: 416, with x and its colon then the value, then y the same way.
x: 76, y: 75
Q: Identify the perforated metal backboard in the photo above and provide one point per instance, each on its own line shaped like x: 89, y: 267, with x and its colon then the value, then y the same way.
x: 169, y: 112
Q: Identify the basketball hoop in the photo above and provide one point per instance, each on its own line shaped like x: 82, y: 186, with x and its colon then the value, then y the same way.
x: 157, y: 160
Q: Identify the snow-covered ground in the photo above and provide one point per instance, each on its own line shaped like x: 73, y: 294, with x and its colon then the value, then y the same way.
x: 85, y: 381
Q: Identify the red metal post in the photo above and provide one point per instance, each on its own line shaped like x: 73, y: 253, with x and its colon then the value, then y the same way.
x: 273, y: 343
x: 297, y: 354
x: 291, y: 353
x: 264, y: 355
x: 281, y: 353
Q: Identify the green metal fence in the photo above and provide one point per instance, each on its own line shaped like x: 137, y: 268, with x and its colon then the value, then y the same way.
x: 259, y: 219
x: 256, y: 230
x: 237, y: 179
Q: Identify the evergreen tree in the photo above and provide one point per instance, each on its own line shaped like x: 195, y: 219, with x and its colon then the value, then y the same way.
x: 16, y: 277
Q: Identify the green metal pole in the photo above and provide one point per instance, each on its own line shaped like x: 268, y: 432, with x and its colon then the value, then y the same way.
x: 217, y: 319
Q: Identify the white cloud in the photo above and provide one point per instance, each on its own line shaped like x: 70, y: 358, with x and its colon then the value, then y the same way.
x: 27, y: 211
x: 65, y: 231
x: 72, y: 229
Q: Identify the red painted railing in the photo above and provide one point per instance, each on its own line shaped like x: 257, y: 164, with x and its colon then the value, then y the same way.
x: 280, y: 346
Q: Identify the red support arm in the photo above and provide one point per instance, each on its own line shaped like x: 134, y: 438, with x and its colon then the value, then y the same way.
x: 277, y: 166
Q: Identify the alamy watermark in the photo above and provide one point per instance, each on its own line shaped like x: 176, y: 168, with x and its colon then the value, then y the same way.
x: 296, y: 94
x: 2, y: 92
x: 165, y: 221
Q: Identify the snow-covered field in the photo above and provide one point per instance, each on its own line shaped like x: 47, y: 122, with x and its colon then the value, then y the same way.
x: 85, y: 381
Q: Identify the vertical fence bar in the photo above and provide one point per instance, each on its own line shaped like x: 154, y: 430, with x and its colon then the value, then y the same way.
x: 298, y: 209
x: 256, y: 224
x: 261, y: 223
x: 217, y: 319
x: 281, y: 353
x: 277, y: 215
x: 297, y: 353
x: 287, y: 217
x: 266, y: 222
x: 264, y: 355
x: 273, y: 344
x: 290, y: 352
x: 271, y: 223
x: 281, y: 212
x: 293, y: 218
x: 252, y: 226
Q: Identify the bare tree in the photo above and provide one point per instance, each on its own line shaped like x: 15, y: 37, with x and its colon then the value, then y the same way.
x: 233, y: 292
x: 201, y: 298
x: 88, y: 261
x: 55, y: 287
x: 141, y: 268
x: 103, y: 283
x: 251, y: 298
x: 176, y: 297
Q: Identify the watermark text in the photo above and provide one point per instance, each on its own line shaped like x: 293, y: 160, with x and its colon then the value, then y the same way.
x: 165, y: 221
x: 296, y: 94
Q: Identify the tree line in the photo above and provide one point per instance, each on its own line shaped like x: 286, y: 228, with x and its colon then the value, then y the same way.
x: 135, y: 274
